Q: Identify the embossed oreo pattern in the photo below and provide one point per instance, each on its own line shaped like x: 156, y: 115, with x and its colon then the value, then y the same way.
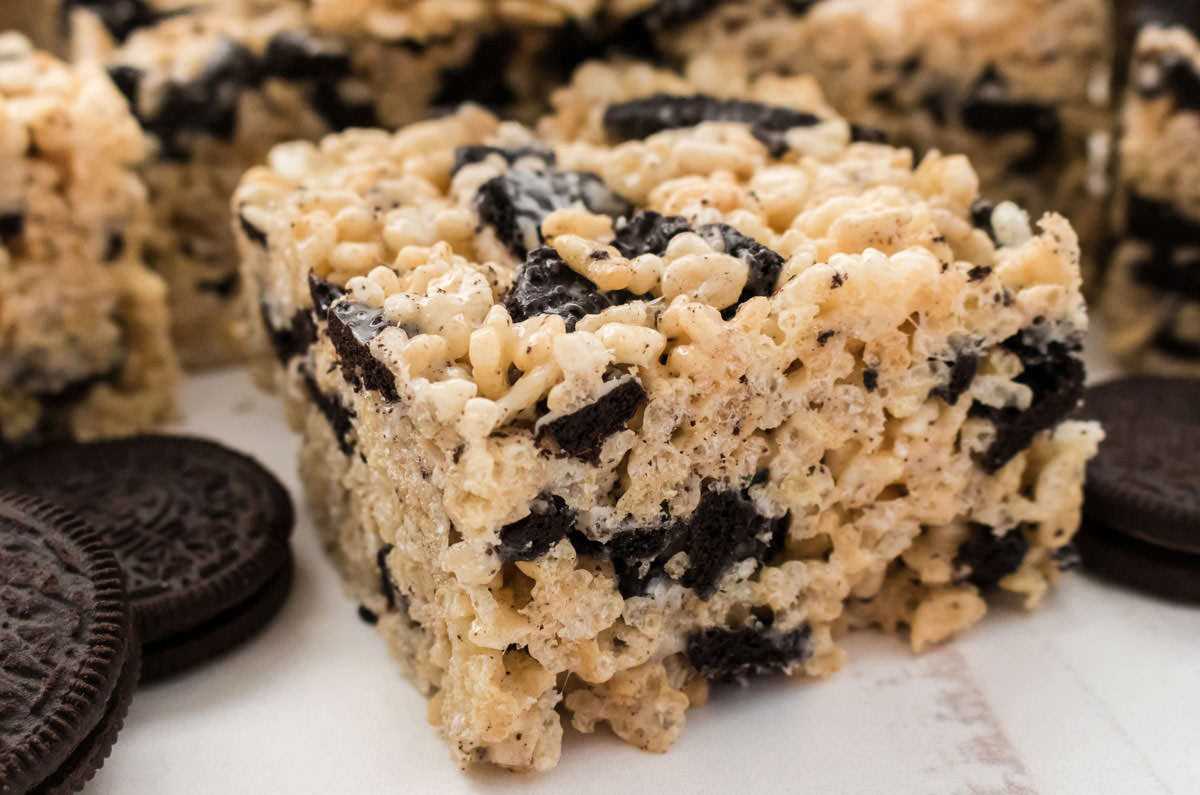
x: 1144, y: 482
x: 64, y: 622
x: 197, y: 527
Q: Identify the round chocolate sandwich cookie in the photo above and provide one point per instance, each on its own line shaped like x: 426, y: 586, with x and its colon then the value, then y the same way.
x: 220, y: 633
x: 1115, y: 556
x: 201, y: 531
x: 69, y: 658
x: 1146, y: 480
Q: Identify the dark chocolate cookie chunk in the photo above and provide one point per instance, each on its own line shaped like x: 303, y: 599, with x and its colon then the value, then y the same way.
x: 738, y: 653
x: 1055, y: 373
x: 1115, y: 556
x: 548, y: 522
x: 515, y: 202
x: 546, y: 285
x: 198, y: 528
x: 1144, y: 481
x: 582, y: 432
x: 641, y: 118
x: 65, y: 640
x: 992, y: 110
x: 986, y: 557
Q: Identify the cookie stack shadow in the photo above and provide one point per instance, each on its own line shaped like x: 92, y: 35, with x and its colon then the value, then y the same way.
x: 123, y: 562
x: 1141, y: 523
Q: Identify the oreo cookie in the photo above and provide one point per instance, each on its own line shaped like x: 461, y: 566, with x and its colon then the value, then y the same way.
x: 1114, y: 556
x: 69, y: 656
x: 201, y: 531
x: 1143, y: 482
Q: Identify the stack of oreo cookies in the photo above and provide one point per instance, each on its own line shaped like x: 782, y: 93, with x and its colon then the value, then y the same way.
x: 1142, y: 508
x: 122, y: 562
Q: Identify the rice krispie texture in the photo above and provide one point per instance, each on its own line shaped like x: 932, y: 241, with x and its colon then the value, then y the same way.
x: 1151, y: 298
x: 84, y: 348
x: 216, y: 84
x: 1020, y: 86
x: 1017, y: 86
x: 679, y: 390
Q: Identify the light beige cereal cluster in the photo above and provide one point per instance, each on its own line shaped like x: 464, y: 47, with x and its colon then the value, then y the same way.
x: 590, y: 422
x: 83, y: 342
x: 1152, y: 294
x: 1021, y: 87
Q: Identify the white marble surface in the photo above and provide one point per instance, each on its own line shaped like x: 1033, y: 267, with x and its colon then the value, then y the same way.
x: 1097, y: 692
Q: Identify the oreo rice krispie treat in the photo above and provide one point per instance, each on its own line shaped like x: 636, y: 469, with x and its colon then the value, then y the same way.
x: 215, y: 87
x: 216, y: 84
x: 1019, y: 86
x: 1151, y: 299
x: 84, y: 348
x: 679, y: 391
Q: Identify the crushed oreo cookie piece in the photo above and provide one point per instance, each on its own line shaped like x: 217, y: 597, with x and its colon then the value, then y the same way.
x: 114, y: 247
x: 292, y: 340
x: 668, y: 14
x: 127, y: 79
x: 1167, y: 340
x: 548, y: 522
x: 324, y: 293
x: 123, y: 17
x: 1066, y: 557
x: 1159, y: 222
x: 207, y: 104
x: 293, y: 56
x: 483, y: 78
x: 981, y: 216
x: 582, y: 433
x: 340, y: 113
x: 648, y: 232
x: 763, y: 264
x: 12, y: 226
x: 352, y: 326
x: 387, y: 586
x: 466, y: 155
x: 1174, y: 76
x: 962, y: 374
x: 988, y: 557
x: 545, y: 285
x: 515, y: 203
x: 1055, y: 374
x: 340, y: 418
x: 861, y: 133
x: 739, y: 653
x: 641, y: 118
x: 725, y: 528
x: 1170, y: 271
x: 990, y: 110
x: 255, y: 235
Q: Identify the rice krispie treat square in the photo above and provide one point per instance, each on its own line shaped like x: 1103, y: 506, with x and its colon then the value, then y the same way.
x: 1151, y: 298
x: 679, y: 390
x: 84, y: 349
x: 1021, y: 86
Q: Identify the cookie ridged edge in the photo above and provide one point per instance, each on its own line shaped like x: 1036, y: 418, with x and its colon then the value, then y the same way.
x: 1129, y: 510
x: 172, y: 612
x: 85, y: 703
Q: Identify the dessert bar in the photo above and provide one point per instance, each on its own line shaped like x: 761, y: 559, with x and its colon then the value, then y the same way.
x: 677, y: 389
x: 84, y: 348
